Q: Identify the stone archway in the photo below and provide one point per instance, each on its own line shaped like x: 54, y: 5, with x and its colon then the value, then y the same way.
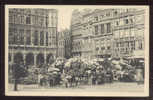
x: 18, y: 58
x: 50, y: 58
x: 40, y: 59
x: 30, y: 59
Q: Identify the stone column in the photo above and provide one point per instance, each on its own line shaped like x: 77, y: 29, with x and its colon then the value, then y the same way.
x: 44, y: 38
x: 31, y: 37
x: 12, y: 58
x: 38, y: 38
x: 24, y: 58
x: 24, y: 32
x: 35, y: 59
x: 45, y: 58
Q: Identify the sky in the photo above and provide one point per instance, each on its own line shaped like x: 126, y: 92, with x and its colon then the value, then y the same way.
x: 64, y: 18
x: 65, y: 14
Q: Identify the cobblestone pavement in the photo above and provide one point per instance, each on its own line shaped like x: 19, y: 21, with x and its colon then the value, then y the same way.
x: 109, y: 87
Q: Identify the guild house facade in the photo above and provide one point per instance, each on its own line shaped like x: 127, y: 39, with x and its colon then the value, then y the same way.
x: 64, y: 44
x: 108, y: 33
x: 32, y: 35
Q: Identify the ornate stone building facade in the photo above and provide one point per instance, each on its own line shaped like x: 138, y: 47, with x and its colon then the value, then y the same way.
x: 32, y: 35
x: 64, y: 44
x: 61, y: 44
x: 76, y: 32
x: 107, y: 32
x: 128, y: 32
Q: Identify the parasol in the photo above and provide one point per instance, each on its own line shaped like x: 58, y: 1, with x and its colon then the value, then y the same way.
x: 118, y: 67
x: 123, y: 63
x: 109, y: 58
x: 54, y: 72
x: 53, y: 69
x: 100, y: 59
x: 115, y: 62
x: 68, y: 64
x: 141, y: 61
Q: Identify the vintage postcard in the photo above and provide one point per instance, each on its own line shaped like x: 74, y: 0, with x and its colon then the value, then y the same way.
x: 77, y: 50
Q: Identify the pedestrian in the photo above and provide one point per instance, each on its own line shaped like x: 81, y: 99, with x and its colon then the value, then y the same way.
x: 139, y: 75
x: 64, y: 78
x: 40, y: 77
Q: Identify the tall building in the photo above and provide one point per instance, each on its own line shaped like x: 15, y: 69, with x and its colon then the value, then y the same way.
x: 128, y: 32
x: 108, y: 33
x: 67, y: 43
x: 102, y: 25
x: 32, y: 35
x: 61, y: 44
x: 76, y: 32
x: 64, y: 44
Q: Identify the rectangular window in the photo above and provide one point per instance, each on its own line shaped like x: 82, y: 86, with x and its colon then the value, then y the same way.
x: 117, y: 23
x: 10, y: 19
x: 108, y: 48
x: 36, y: 20
x: 21, y: 36
x: 115, y: 13
x: 11, y: 36
x: 46, y: 21
x: 131, y: 20
x: 133, y: 45
x: 96, y: 29
x: 28, y: 37
x: 140, y: 45
x: 36, y: 38
x: 15, y: 19
x: 126, y: 21
x: 102, y: 16
x: 108, y: 14
x: 108, y: 27
x: 22, y: 19
x: 102, y: 29
x: 42, y: 38
x: 15, y: 36
x: 97, y: 49
x: 28, y: 20
x: 41, y: 21
x: 117, y: 44
x: 96, y: 18
x: 46, y: 38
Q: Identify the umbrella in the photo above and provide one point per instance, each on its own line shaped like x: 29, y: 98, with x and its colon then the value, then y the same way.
x: 142, y: 57
x: 54, y: 72
x: 118, y: 67
x: 100, y: 59
x: 58, y: 63
x: 115, y: 62
x: 68, y: 64
x: 141, y: 61
x: 89, y: 71
x: 109, y: 58
x: 53, y: 69
x: 122, y: 63
x: 100, y: 67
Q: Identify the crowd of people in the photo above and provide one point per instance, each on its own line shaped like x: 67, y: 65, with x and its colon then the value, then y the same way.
x: 79, y: 71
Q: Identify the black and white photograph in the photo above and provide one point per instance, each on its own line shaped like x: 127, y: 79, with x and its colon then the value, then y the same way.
x: 76, y: 50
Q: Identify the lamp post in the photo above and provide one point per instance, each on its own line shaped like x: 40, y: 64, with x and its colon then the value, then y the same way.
x: 15, y: 66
